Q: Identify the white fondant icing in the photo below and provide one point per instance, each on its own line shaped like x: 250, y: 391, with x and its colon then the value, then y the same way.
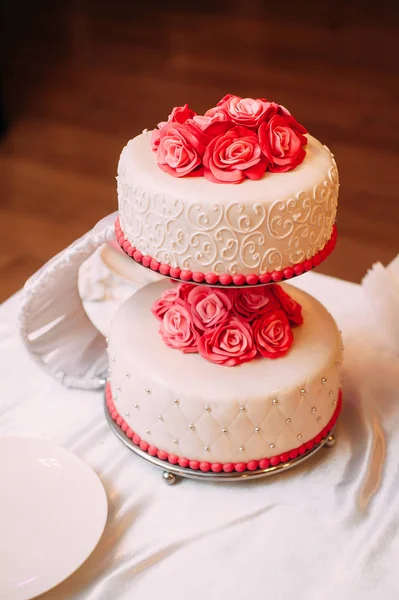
x: 229, y: 410
x: 254, y: 227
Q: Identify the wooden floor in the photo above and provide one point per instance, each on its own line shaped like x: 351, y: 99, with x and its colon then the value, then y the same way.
x: 81, y: 78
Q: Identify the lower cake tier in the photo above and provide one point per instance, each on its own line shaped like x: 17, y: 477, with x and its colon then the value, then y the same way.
x: 185, y: 409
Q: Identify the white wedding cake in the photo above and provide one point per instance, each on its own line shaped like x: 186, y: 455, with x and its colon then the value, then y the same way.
x: 211, y: 368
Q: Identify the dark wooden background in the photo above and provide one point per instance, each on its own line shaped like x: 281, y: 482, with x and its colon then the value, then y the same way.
x: 80, y: 78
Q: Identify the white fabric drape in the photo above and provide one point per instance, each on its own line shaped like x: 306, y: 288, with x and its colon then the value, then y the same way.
x: 54, y: 326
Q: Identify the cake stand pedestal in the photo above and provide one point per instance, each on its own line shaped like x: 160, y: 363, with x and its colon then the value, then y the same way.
x: 173, y: 473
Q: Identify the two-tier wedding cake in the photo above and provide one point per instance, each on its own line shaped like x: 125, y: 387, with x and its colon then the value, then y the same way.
x: 218, y: 367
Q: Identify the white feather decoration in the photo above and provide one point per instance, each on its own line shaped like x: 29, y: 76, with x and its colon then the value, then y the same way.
x: 381, y: 285
x: 54, y: 326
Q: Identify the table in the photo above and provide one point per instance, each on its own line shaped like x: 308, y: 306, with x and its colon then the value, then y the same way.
x: 327, y: 529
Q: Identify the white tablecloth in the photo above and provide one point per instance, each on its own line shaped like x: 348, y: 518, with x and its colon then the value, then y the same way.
x: 327, y: 529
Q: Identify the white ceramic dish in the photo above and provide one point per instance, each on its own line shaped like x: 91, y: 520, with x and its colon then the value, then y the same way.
x: 53, y: 510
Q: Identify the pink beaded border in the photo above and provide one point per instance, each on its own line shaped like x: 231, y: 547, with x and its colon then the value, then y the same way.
x: 225, y: 278
x: 196, y: 465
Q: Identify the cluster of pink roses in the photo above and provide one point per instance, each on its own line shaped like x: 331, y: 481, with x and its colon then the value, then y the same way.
x: 228, y: 327
x: 238, y: 138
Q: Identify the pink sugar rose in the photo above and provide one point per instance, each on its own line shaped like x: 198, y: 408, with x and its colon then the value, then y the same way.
x: 155, y: 138
x: 177, y: 329
x: 248, y: 304
x: 209, y: 306
x: 230, y: 343
x: 180, y: 114
x: 281, y: 111
x: 180, y: 149
x: 213, y: 115
x: 281, y: 143
x: 212, y: 126
x: 272, y: 334
x: 232, y: 156
x: 184, y: 289
x: 175, y: 295
x: 292, y: 309
x: 163, y: 304
x: 244, y: 111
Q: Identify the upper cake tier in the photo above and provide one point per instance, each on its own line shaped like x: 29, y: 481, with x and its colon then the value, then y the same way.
x: 277, y: 223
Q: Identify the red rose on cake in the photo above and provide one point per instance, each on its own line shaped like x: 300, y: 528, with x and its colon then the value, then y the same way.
x: 248, y: 304
x: 238, y: 139
x: 272, y: 334
x: 282, y: 140
x: 163, y: 304
x: 177, y: 329
x: 233, y: 156
x: 243, y: 111
x: 230, y: 343
x: 209, y: 306
x: 175, y: 295
x: 292, y: 309
x: 180, y: 114
x: 180, y: 149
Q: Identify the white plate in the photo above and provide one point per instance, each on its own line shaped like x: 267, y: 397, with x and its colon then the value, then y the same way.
x: 53, y: 510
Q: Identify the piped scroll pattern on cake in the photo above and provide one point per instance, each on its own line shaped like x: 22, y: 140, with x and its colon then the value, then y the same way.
x: 231, y: 237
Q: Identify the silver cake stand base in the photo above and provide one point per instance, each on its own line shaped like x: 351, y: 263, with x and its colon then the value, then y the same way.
x: 172, y: 473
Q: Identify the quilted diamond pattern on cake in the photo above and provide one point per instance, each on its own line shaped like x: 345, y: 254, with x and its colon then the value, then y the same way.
x: 175, y: 423
x: 192, y: 411
x: 208, y: 429
x: 241, y: 429
x: 257, y: 411
x: 275, y: 421
x: 208, y: 434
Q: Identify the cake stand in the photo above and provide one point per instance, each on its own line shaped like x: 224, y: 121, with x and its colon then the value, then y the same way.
x: 171, y: 473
